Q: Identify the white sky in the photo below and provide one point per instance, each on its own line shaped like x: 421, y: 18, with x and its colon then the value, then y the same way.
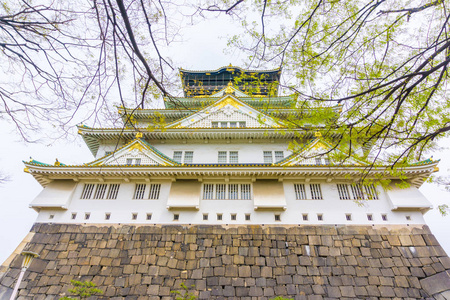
x: 200, y: 51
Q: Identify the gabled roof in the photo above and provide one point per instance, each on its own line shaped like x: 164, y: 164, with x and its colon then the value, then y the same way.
x: 228, y: 104
x: 137, y: 148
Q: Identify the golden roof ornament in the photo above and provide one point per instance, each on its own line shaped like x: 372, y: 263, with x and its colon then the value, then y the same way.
x: 317, y: 134
x: 138, y: 135
x: 229, y: 89
x: 57, y: 163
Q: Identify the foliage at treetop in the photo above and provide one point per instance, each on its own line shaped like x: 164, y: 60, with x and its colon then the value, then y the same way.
x: 82, y: 290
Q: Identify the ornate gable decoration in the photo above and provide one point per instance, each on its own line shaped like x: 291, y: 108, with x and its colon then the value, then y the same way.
x: 138, y: 152
x: 318, y: 152
x: 227, y: 112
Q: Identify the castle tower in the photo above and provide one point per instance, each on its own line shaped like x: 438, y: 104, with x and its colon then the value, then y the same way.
x: 209, y: 192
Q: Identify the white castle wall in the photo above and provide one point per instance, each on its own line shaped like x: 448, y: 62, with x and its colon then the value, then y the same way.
x: 333, y: 210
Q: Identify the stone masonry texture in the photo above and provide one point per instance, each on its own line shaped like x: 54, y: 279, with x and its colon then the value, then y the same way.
x: 234, y: 262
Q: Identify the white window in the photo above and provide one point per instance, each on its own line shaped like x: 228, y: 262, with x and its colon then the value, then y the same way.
x: 279, y: 155
x: 267, y: 157
x: 300, y: 192
x: 129, y: 161
x: 272, y: 156
x: 139, y: 191
x: 228, y: 124
x: 177, y: 155
x: 232, y: 157
x: 343, y: 192
x: 154, y: 191
x: 133, y: 161
x: 316, y: 192
x: 223, y: 191
x: 358, y: 192
x: 188, y: 156
x: 222, y: 157
x: 87, y: 191
x: 100, y: 191
x: 113, y: 191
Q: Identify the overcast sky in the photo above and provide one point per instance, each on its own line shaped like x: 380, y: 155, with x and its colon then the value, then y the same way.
x: 200, y: 51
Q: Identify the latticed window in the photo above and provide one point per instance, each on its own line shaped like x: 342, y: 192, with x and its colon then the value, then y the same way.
x: 208, y: 191
x: 225, y: 124
x: 371, y: 192
x: 87, y: 191
x: 318, y: 161
x: 129, y: 161
x: 137, y: 161
x: 279, y: 155
x: 220, y: 191
x: 100, y: 191
x: 154, y: 191
x: 357, y: 192
x: 222, y: 157
x: 300, y: 192
x: 242, y: 124
x: 223, y: 191
x: 139, y: 191
x: 267, y: 157
x: 233, y: 191
x: 233, y: 124
x: 246, y: 192
x: 234, y: 157
x: 177, y: 156
x: 188, y: 157
x: 343, y: 192
x: 316, y: 192
x: 113, y: 191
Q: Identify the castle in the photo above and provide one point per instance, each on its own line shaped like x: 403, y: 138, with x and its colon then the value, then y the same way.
x: 223, y: 190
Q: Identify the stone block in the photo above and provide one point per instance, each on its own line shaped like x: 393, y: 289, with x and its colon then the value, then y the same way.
x: 437, y: 283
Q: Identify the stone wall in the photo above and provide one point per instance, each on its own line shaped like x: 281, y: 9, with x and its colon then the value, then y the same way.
x: 242, y: 262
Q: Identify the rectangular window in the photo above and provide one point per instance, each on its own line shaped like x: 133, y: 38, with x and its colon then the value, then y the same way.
x: 208, y: 191
x: 369, y: 217
x: 234, y: 157
x: 176, y: 217
x: 233, y: 217
x: 107, y: 216
x: 300, y: 192
x: 318, y: 161
x: 327, y: 161
x: 371, y: 192
x: 316, y: 192
x: 87, y: 191
x: 319, y: 217
x: 267, y: 157
x: 51, y: 217
x: 149, y: 217
x: 113, y: 191
x: 222, y: 158
x: 247, y: 217
x: 408, y: 218
x: 215, y: 124
x: 154, y: 191
x: 277, y: 217
x: 233, y: 191
x: 305, y: 217
x: 279, y: 155
x: 343, y: 192
x: 220, y: 191
x: 188, y: 157
x: 246, y: 192
x: 384, y: 217
x: 233, y: 124
x: 137, y: 161
x: 219, y: 217
x: 223, y: 124
x: 74, y: 216
x: 100, y: 191
x: 87, y: 216
x: 134, y: 216
x: 357, y: 192
x: 205, y: 217
x: 139, y: 191
x: 348, y: 217
x: 177, y: 156
x: 129, y: 161
x: 242, y: 124
x: 223, y: 191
